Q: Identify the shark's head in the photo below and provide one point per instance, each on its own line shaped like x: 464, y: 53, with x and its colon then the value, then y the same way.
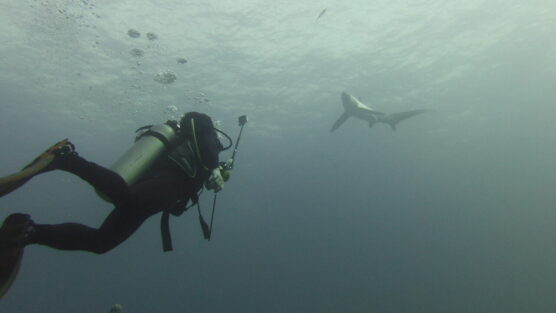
x: 348, y: 101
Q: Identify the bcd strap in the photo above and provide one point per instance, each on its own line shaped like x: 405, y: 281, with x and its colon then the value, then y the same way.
x: 158, y: 136
x: 165, y: 223
x: 146, y: 131
x: 143, y: 128
x: 165, y: 231
x: 204, y: 225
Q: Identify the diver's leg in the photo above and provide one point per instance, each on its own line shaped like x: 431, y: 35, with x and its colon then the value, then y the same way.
x: 117, y: 227
x: 148, y: 198
x: 104, y: 180
x: 63, y: 156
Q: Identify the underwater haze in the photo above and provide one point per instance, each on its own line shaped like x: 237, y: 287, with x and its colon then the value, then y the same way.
x: 452, y: 212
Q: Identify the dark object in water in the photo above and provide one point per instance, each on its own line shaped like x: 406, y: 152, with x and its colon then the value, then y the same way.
x: 137, y: 52
x: 152, y: 36
x: 133, y: 33
x: 321, y: 14
x: 181, y: 60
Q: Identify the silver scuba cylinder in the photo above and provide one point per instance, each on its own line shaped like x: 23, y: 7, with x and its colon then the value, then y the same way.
x: 140, y: 157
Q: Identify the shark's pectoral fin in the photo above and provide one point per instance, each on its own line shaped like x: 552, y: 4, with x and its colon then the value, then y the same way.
x: 340, y: 121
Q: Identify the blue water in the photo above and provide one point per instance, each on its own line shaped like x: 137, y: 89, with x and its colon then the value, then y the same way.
x: 453, y: 212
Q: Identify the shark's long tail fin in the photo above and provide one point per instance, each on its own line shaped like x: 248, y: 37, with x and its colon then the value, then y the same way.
x: 395, y: 118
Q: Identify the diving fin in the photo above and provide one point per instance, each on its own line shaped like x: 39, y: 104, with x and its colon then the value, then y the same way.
x: 14, y: 181
x: 12, y: 246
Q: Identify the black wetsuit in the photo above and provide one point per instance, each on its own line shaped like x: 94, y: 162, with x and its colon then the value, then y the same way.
x: 158, y: 190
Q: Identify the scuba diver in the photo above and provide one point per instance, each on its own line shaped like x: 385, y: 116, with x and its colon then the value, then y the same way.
x: 163, y: 171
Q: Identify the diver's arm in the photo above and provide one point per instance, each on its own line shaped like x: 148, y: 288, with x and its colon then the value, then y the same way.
x: 209, y: 146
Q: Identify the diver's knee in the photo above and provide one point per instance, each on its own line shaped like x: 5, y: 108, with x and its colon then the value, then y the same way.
x: 103, y: 247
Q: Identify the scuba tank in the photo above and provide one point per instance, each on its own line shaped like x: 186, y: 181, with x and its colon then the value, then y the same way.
x: 148, y: 147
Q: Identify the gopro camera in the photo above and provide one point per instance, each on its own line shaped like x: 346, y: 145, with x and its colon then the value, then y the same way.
x: 242, y: 120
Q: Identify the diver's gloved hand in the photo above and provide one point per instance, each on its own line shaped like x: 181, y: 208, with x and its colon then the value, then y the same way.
x: 226, y: 169
x: 227, y: 165
x: 215, y: 181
